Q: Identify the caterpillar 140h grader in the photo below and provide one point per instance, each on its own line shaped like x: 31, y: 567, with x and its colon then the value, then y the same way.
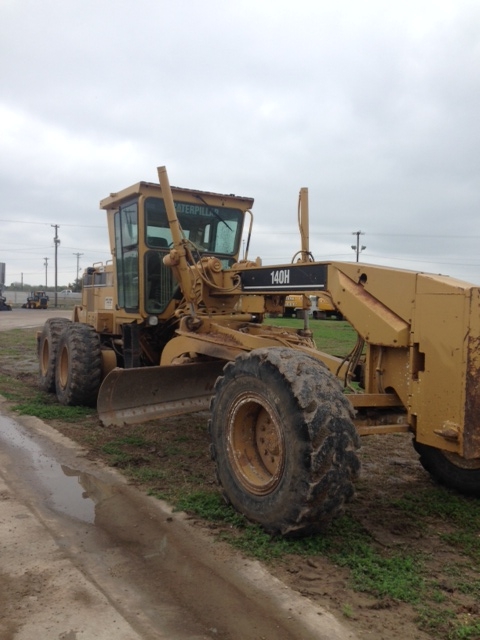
x: 174, y: 324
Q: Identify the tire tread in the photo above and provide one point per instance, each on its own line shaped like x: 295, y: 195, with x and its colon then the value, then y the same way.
x: 328, y: 469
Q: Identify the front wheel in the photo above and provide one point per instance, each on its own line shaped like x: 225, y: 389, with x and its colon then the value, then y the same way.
x: 450, y: 469
x: 283, y: 441
x: 78, y: 371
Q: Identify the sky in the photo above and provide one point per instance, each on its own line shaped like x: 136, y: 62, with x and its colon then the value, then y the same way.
x: 374, y: 106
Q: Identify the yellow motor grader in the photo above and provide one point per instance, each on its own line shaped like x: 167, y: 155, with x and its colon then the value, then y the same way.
x: 174, y: 324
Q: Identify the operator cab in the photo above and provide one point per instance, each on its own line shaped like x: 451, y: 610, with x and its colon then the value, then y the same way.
x: 140, y: 236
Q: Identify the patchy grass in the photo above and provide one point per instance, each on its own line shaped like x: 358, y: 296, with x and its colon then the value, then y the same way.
x: 394, y: 575
x: 43, y: 406
x: 332, y: 336
x: 460, y: 513
x: 391, y: 576
x: 18, y: 342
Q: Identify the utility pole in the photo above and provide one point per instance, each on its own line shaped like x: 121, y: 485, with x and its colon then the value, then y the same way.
x: 357, y: 247
x: 78, y: 265
x: 56, y: 240
x: 46, y: 266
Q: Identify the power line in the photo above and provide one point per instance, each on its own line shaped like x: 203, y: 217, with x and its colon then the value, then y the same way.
x: 376, y: 235
x: 277, y: 233
x: 415, y: 259
x: 421, y: 235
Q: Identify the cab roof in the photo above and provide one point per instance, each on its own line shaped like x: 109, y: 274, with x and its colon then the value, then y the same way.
x: 114, y: 200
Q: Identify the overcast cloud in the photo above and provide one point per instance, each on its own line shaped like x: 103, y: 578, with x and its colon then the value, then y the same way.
x: 374, y: 106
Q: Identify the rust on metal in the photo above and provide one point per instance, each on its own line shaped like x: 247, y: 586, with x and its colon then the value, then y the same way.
x: 471, y: 429
x: 449, y: 431
x: 375, y: 430
x: 132, y: 396
x: 374, y: 400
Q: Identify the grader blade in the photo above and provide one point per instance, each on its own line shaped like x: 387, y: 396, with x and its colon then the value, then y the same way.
x: 132, y: 396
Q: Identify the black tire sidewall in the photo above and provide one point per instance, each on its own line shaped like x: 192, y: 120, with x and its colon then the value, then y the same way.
x: 81, y: 343
x: 319, y: 439
x: 281, y: 503
x: 466, y: 481
x: 50, y: 338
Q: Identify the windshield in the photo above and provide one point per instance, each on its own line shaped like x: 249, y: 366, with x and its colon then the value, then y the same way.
x: 214, y: 230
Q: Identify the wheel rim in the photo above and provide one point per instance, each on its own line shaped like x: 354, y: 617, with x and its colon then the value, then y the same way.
x: 255, y: 444
x: 45, y: 359
x: 63, y: 368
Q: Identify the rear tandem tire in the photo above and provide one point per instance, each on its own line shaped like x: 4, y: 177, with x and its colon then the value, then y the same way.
x: 47, y: 352
x: 283, y: 441
x: 78, y: 371
x: 450, y: 470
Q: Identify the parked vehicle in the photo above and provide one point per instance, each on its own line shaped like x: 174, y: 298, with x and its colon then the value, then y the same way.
x: 36, y: 300
x: 3, y: 304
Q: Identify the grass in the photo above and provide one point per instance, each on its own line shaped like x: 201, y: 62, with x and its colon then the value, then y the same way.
x: 41, y: 406
x: 11, y: 388
x: 438, y: 501
x: 332, y: 336
x: 347, y: 611
x: 18, y: 344
x: 397, y: 576
x: 38, y: 404
x: 119, y: 451
x: 447, y: 622
x: 461, y: 513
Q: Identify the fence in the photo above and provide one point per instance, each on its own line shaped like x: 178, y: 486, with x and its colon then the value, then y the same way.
x: 18, y: 298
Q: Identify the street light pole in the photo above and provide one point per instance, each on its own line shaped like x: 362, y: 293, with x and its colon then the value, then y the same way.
x: 46, y: 272
x: 357, y: 247
x: 56, y: 240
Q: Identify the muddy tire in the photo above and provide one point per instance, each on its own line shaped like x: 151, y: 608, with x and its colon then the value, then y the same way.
x: 450, y: 470
x: 283, y: 441
x: 47, y: 352
x: 78, y: 369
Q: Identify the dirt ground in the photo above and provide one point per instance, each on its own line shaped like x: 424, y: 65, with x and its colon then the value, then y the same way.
x: 390, y: 472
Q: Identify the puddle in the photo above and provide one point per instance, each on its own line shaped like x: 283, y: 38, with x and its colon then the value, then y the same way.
x: 67, y: 491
